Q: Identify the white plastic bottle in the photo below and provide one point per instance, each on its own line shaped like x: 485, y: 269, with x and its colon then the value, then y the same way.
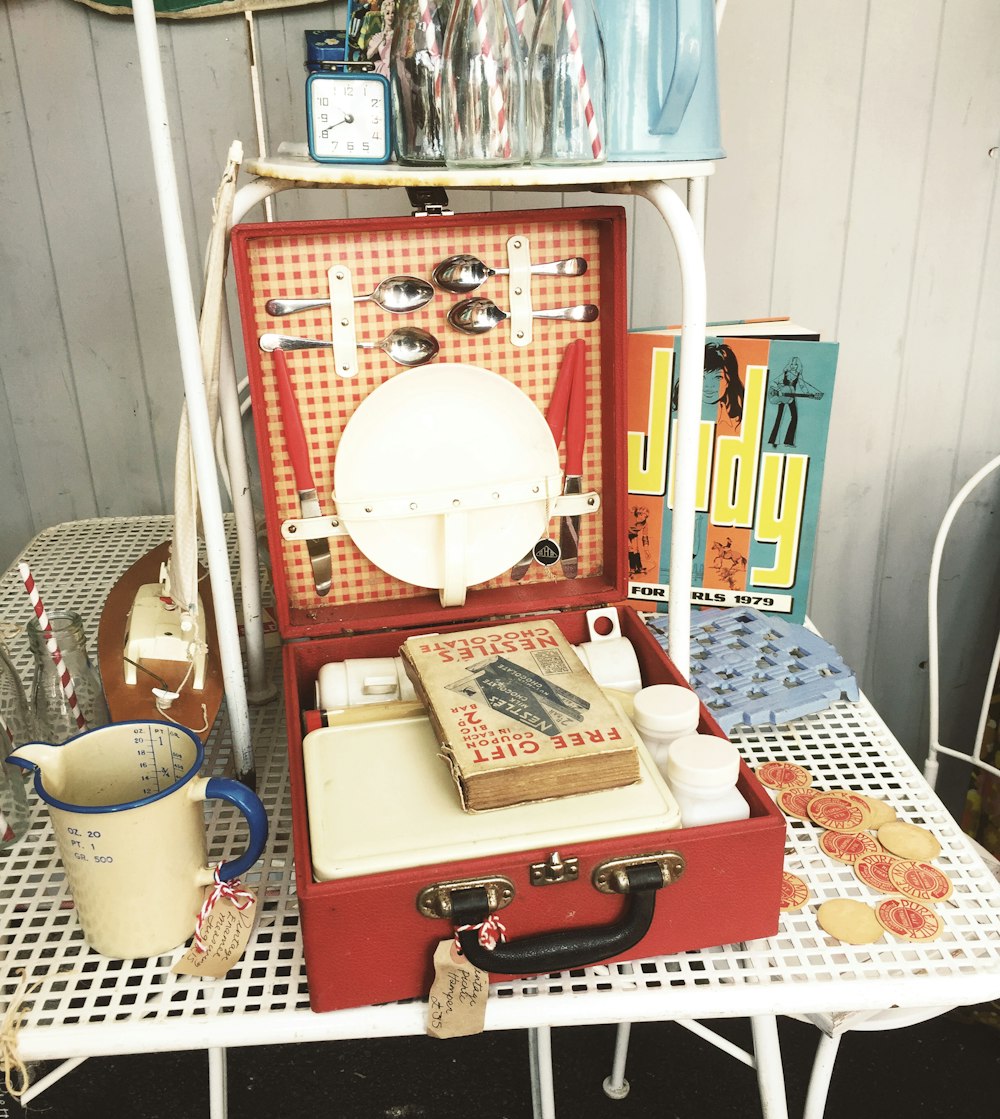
x: 663, y: 713
x: 702, y: 771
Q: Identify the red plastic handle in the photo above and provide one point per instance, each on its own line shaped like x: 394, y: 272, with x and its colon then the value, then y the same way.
x: 295, y: 433
x: 576, y: 422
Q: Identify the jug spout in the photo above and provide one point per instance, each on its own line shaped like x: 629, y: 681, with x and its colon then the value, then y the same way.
x: 41, y: 758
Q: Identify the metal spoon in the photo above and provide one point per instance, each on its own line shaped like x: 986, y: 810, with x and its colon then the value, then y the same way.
x: 395, y: 293
x: 464, y: 273
x: 407, y: 345
x: 477, y: 316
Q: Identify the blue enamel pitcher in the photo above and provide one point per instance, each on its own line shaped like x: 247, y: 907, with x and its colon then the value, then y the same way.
x: 662, y: 81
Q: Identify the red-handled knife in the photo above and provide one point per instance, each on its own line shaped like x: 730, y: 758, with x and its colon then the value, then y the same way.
x: 298, y: 452
x: 576, y: 438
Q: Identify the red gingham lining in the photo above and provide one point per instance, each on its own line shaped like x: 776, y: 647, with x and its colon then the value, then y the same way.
x: 297, y: 266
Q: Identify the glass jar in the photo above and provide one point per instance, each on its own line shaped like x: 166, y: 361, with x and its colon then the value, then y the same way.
x: 565, y: 82
x: 54, y: 720
x: 15, y: 729
x: 416, y: 63
x: 483, y: 86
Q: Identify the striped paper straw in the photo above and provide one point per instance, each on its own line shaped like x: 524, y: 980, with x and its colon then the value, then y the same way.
x: 496, y: 93
x: 6, y: 831
x: 581, y: 76
x: 65, y: 678
x: 521, y: 14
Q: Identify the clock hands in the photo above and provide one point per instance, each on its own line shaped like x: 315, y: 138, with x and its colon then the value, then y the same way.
x: 345, y: 119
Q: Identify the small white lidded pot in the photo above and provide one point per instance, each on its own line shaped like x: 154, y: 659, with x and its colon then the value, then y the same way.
x: 702, y: 771
x: 663, y: 713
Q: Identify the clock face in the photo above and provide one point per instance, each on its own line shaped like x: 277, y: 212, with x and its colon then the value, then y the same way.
x: 348, y: 118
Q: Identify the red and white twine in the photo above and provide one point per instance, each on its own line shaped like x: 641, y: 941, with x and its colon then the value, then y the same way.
x: 234, y: 890
x: 492, y: 932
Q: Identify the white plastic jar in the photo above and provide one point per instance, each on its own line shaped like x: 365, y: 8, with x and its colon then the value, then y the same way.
x: 701, y: 772
x: 663, y: 713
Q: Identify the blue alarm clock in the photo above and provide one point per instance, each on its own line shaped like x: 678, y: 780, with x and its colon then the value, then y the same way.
x: 348, y: 117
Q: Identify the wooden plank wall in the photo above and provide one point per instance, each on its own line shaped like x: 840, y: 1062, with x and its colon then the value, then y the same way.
x: 859, y: 195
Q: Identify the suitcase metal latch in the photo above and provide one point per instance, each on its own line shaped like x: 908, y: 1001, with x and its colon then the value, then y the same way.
x: 435, y: 901
x: 555, y: 869
x: 610, y: 878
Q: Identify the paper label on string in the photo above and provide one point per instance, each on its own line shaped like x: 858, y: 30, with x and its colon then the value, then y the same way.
x: 456, y: 1006
x: 225, y: 932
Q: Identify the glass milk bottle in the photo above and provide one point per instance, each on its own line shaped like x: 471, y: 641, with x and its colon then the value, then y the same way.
x: 15, y: 729
x: 701, y: 772
x: 483, y: 86
x: 54, y: 720
x: 565, y: 85
x: 416, y: 63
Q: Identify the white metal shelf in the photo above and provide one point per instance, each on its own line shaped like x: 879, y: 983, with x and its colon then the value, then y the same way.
x: 88, y: 1005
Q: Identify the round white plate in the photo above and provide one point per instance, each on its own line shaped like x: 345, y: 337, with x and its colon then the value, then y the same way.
x: 444, y: 475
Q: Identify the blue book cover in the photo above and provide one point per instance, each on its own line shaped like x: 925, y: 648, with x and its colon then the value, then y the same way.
x: 766, y: 405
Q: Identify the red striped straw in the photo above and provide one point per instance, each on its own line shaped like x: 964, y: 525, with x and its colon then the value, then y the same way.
x: 585, y: 99
x: 6, y: 831
x: 430, y: 31
x: 496, y: 93
x: 521, y: 14
x: 65, y: 678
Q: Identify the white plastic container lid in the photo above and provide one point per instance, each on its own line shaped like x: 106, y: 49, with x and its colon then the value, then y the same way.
x: 666, y: 709
x: 703, y: 761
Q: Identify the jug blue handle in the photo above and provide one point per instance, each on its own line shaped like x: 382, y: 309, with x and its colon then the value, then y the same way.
x: 687, y: 64
x: 247, y: 801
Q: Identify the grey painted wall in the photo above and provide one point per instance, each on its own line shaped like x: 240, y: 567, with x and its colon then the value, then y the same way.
x: 859, y: 196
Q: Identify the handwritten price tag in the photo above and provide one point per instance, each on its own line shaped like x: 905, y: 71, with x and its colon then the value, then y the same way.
x: 456, y: 1006
x: 225, y: 933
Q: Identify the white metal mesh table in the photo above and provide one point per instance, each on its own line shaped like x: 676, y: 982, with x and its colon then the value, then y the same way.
x: 86, y: 1005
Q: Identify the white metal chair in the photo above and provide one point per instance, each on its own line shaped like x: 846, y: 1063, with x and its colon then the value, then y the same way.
x: 834, y: 1026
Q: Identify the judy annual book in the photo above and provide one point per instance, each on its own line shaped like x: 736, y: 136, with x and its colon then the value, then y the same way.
x: 765, y: 419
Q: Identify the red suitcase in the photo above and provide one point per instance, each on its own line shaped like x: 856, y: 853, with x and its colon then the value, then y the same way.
x: 369, y: 936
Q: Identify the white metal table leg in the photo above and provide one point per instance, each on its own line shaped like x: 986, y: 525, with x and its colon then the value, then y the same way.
x: 217, y: 1094
x: 615, y: 1085
x: 819, y: 1078
x: 770, y: 1075
x: 543, y: 1104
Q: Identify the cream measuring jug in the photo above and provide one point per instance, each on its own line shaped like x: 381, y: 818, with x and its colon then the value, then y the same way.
x: 126, y: 805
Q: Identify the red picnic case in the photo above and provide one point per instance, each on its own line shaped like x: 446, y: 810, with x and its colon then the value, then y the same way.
x: 422, y: 537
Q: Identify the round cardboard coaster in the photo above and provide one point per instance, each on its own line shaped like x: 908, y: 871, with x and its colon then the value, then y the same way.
x: 873, y: 870
x: 848, y: 846
x: 851, y: 921
x: 881, y: 813
x: 794, y: 892
x: 839, y: 811
x: 783, y: 775
x: 795, y: 802
x: 908, y: 919
x: 920, y: 881
x: 909, y: 841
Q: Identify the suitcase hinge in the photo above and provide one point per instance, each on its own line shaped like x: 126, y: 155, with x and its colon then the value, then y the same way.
x: 610, y: 877
x: 428, y: 202
x: 435, y: 901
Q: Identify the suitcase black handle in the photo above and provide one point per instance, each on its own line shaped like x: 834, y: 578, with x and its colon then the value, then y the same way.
x: 560, y: 951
